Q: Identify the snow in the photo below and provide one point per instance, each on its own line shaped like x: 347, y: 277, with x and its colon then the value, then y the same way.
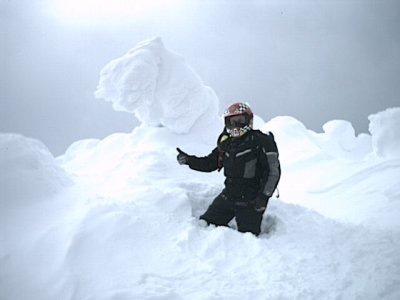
x: 118, y: 218
x: 385, y: 129
x: 159, y: 87
x: 27, y: 163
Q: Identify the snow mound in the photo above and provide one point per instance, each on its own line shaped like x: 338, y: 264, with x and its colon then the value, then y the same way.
x: 292, y: 134
x: 28, y: 170
x: 159, y: 87
x: 32, y: 205
x: 323, y: 171
x: 385, y: 129
x: 339, y: 140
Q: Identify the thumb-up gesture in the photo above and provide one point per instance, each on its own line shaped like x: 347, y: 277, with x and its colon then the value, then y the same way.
x: 183, y: 158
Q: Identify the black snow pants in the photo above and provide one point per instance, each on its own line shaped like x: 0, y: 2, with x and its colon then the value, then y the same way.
x: 227, y: 206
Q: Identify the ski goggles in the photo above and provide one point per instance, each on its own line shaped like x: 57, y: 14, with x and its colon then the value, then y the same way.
x: 237, y: 121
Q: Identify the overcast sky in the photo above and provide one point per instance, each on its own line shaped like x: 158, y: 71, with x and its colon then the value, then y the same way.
x: 313, y: 60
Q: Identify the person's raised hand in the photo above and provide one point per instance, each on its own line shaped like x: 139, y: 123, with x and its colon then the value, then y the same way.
x: 183, y: 158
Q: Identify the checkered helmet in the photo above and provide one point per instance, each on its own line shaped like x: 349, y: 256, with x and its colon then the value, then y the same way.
x: 239, y: 109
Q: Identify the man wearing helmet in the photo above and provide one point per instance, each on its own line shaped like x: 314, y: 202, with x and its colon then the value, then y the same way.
x: 251, y: 166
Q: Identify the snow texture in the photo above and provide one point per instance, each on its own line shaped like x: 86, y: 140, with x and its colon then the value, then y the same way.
x: 385, y: 129
x: 27, y: 163
x: 117, y: 218
x: 158, y: 87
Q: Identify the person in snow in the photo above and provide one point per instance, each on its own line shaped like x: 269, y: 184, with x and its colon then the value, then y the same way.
x: 251, y: 166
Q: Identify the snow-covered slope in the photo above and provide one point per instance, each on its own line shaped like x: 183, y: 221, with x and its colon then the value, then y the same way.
x: 117, y: 218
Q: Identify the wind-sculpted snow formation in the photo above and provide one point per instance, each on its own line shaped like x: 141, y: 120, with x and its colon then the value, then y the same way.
x: 159, y: 87
x: 385, y: 130
x: 127, y: 227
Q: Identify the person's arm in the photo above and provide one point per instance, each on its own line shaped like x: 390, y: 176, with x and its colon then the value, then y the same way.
x: 207, y: 163
x: 269, y: 158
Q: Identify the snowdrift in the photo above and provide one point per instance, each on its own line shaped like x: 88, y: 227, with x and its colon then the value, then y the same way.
x: 28, y: 163
x: 117, y: 218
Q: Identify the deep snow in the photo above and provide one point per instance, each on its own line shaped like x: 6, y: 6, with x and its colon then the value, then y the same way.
x: 117, y: 218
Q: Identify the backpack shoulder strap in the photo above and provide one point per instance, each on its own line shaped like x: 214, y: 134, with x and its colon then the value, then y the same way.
x: 266, y: 140
x: 260, y: 134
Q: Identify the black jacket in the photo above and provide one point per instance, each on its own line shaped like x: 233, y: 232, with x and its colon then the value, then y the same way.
x: 251, y: 160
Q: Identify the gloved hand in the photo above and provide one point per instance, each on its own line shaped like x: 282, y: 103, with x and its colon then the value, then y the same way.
x: 183, y: 158
x: 261, y: 203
